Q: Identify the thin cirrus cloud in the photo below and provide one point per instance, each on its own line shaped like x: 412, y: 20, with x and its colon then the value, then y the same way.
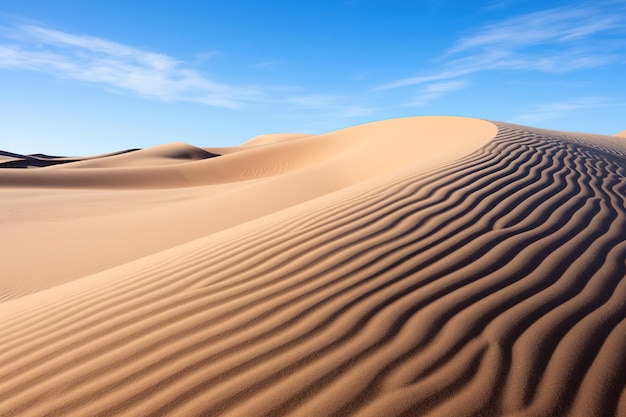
x: 92, y: 59
x: 556, y: 40
x: 432, y: 91
x: 331, y: 106
x: 150, y: 75
x: 551, y: 111
x: 267, y: 64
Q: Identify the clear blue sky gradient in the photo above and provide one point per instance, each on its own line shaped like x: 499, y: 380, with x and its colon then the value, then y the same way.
x: 85, y: 77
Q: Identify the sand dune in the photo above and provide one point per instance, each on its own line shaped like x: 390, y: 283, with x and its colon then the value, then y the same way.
x: 424, y: 266
x: 334, y: 151
x: 6, y: 158
x: 242, y: 186
x: 272, y: 139
x: 14, y: 160
x: 622, y: 134
x: 39, y: 160
x: 171, y: 153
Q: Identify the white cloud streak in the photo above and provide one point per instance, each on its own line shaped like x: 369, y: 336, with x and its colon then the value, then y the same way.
x: 148, y: 74
x: 314, y: 101
x: 91, y: 59
x: 555, y: 40
x: 555, y: 26
x: 267, y: 64
x: 430, y: 92
x: 551, y: 111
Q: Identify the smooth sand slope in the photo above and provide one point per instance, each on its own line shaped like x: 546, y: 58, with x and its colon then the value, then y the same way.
x: 424, y: 266
x: 75, y: 232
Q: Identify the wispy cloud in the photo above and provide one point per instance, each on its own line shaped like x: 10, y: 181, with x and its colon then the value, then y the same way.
x: 358, y: 76
x: 334, y: 106
x: 554, y: 26
x: 315, y: 101
x: 267, y: 64
x: 353, y: 110
x: 501, y: 4
x: 430, y: 92
x: 556, y: 110
x: 206, y: 56
x: 555, y: 40
x: 150, y: 75
x: 92, y: 59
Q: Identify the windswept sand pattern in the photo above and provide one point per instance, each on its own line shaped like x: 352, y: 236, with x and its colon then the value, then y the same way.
x: 493, y: 285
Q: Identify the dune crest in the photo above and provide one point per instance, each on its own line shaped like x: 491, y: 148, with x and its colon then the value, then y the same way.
x: 484, y: 280
x: 273, y: 138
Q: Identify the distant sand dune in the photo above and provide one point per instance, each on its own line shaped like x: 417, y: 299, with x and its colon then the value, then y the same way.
x: 39, y: 160
x: 484, y: 281
x: 171, y: 153
x: 340, y: 149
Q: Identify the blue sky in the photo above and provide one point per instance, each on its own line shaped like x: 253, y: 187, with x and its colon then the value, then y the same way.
x: 85, y: 77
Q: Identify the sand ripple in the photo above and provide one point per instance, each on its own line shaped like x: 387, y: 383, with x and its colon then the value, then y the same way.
x: 491, y: 285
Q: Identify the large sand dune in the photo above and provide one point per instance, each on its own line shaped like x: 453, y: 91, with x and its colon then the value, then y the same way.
x: 425, y: 266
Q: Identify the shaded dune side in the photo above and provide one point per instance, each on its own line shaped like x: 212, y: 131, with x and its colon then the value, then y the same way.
x: 170, y: 153
x: 33, y: 163
x: 493, y: 285
x: 13, y: 160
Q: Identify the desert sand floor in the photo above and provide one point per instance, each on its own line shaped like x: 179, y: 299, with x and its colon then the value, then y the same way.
x: 438, y: 266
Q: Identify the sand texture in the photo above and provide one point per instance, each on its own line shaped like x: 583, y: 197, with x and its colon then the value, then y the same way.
x: 428, y: 266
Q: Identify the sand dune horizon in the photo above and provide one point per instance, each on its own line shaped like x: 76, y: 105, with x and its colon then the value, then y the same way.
x: 423, y: 266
